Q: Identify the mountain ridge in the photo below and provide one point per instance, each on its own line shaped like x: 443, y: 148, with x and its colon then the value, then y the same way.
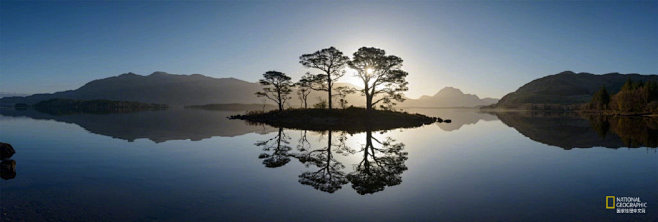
x: 567, y: 88
x: 449, y: 97
x: 197, y: 89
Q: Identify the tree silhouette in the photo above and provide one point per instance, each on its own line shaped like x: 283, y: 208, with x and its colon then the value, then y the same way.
x: 329, y: 177
x: 331, y: 62
x: 303, y: 144
x: 342, y: 92
x: 381, y: 76
x: 277, y: 87
x: 601, y: 99
x: 279, y: 145
x: 304, y: 87
x: 380, y: 167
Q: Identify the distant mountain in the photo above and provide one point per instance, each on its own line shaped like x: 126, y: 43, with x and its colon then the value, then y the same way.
x: 449, y: 97
x: 197, y: 89
x: 567, y: 88
x: 8, y: 94
x: 159, y: 87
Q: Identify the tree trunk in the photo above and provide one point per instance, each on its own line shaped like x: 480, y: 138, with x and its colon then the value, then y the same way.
x: 329, y: 90
x: 279, y: 100
x: 368, y: 102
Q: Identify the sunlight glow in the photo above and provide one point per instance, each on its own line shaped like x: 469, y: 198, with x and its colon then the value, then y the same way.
x: 369, y: 71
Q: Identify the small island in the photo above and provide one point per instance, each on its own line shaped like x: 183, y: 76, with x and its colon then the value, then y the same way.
x: 384, y: 83
x: 352, y: 119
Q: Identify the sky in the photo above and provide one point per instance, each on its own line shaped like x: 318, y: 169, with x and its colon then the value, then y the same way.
x: 488, y: 48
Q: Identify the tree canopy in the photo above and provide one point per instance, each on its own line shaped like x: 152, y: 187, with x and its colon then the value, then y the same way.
x: 381, y: 75
x: 277, y: 87
x: 331, y: 62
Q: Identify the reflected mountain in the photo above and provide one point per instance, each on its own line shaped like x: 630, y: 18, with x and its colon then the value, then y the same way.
x: 157, y: 126
x: 380, y: 161
x: 459, y: 117
x: 573, y: 130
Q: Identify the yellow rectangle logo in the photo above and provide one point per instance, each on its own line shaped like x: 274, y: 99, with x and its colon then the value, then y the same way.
x: 607, y: 202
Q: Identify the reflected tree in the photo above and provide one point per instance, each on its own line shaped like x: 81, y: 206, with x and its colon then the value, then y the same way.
x: 600, y: 124
x: 329, y: 177
x: 279, y: 146
x: 380, y: 167
x: 381, y: 164
x: 302, y: 143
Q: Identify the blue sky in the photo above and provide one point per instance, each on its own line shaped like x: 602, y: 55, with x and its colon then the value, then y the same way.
x: 488, y: 48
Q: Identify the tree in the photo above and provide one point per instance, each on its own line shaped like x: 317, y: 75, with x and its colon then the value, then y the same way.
x: 342, y: 92
x: 650, y: 91
x: 331, y: 62
x: 321, y: 104
x: 601, y: 99
x: 628, y: 85
x: 277, y: 87
x: 381, y: 75
x: 304, y: 89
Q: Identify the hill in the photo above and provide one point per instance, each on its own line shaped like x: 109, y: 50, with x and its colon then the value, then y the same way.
x: 566, y: 88
x: 158, y: 87
x: 196, y: 89
x: 449, y: 97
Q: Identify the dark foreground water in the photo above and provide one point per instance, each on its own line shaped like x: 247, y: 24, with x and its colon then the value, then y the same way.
x: 194, y: 165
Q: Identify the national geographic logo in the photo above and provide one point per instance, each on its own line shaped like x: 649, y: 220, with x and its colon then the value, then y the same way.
x: 609, y: 202
x: 626, y: 205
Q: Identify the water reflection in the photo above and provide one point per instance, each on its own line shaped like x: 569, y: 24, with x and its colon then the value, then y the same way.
x: 381, y: 161
x: 329, y: 176
x: 573, y: 130
x: 381, y: 166
x: 8, y: 169
x: 279, y: 149
x: 460, y: 116
x: 157, y: 126
x: 7, y: 165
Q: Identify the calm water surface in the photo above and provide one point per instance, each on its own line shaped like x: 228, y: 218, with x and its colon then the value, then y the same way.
x: 195, y: 165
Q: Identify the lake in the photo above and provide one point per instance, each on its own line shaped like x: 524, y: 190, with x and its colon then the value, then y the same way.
x: 196, y: 165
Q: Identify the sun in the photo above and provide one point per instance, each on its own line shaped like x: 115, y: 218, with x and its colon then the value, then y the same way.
x: 369, y: 71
